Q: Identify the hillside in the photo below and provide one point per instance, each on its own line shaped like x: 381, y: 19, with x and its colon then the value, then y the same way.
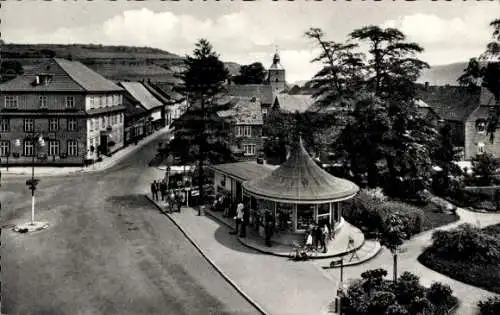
x: 114, y: 62
x: 443, y: 74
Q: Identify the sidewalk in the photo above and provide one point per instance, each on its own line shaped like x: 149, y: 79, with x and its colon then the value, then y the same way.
x: 278, y: 285
x: 105, y: 164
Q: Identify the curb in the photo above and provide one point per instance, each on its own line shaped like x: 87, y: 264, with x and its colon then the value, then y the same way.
x: 357, y: 262
x: 283, y: 255
x: 91, y: 169
x: 210, y: 261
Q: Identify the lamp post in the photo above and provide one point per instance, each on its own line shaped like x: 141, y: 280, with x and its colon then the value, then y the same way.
x: 340, y: 290
x: 36, y: 138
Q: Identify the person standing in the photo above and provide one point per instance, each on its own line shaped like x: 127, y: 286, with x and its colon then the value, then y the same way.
x: 268, y: 227
x: 154, y: 190
x: 178, y: 201
x: 324, y: 238
x: 171, y: 198
x: 163, y: 190
x: 239, y: 216
x: 244, y: 223
x: 318, y: 235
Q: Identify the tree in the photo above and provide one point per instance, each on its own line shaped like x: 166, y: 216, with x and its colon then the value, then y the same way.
x: 202, y: 136
x: 393, y: 236
x: 385, y: 136
x: 440, y: 295
x: 9, y: 69
x: 484, y: 167
x: 254, y: 73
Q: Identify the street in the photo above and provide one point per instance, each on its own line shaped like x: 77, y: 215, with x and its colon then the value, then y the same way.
x: 106, y: 251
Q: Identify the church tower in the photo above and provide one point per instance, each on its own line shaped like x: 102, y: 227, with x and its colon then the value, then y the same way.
x: 276, y: 75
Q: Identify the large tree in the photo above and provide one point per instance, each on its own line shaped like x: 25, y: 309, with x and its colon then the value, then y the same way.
x: 385, y: 136
x: 201, y: 135
x: 254, y: 73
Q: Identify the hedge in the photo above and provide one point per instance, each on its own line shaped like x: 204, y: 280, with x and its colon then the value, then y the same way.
x: 485, y: 276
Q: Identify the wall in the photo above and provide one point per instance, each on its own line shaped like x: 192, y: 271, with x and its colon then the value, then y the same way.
x: 42, y: 125
x: 55, y: 101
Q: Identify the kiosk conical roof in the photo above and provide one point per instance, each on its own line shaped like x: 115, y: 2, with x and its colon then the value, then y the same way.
x: 301, y: 180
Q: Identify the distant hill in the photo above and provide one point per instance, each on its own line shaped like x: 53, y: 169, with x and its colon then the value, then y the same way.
x: 443, y: 74
x: 117, y: 63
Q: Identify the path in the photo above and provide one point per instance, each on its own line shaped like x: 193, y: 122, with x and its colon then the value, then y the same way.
x: 407, y: 261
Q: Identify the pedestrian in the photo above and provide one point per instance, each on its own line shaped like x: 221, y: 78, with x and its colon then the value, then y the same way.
x: 171, y: 198
x: 163, y: 190
x: 268, y: 227
x: 239, y: 216
x: 178, y: 201
x: 318, y: 235
x: 154, y: 190
x: 246, y: 218
x: 324, y: 238
x: 309, y: 240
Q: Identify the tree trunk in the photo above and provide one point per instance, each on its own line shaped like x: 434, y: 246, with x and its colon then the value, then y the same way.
x: 395, y: 271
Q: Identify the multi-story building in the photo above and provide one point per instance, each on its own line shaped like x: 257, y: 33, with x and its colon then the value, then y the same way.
x: 245, y: 121
x: 78, y: 113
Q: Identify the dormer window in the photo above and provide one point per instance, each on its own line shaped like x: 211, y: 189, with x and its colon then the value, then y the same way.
x: 43, y: 79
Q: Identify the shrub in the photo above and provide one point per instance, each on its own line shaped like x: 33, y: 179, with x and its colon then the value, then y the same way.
x: 440, y: 295
x: 491, y: 306
x: 467, y: 243
x: 414, y: 215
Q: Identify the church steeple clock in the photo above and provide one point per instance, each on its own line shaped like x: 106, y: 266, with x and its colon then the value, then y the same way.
x: 276, y: 75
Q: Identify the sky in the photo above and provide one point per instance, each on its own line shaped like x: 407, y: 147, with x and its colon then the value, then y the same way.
x: 246, y: 32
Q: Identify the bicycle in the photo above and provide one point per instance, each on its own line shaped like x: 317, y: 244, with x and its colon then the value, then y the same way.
x: 300, y: 252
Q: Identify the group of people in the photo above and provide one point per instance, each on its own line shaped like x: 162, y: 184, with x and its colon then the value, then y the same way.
x: 174, y: 199
x: 318, y: 235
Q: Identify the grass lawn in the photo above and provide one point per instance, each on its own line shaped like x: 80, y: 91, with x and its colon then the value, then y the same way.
x: 434, y: 217
x: 482, y: 275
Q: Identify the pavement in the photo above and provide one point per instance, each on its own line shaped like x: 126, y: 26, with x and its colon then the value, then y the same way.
x: 106, y: 250
x: 277, y: 285
x: 316, y: 285
x: 407, y: 261
x: 105, y: 164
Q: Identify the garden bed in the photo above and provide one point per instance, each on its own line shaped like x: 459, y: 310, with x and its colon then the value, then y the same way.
x: 485, y: 275
x: 435, y: 217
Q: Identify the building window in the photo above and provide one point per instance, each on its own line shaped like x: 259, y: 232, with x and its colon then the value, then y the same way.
x: 53, y: 124
x: 4, y: 125
x: 72, y: 124
x: 43, y: 101
x: 28, y: 149
x: 29, y: 125
x: 91, y: 102
x: 70, y: 102
x: 323, y: 214
x: 249, y: 149
x: 72, y: 148
x: 480, y: 148
x: 244, y: 131
x: 481, y: 126
x: 91, y: 124
x: 53, y: 147
x: 305, y: 216
x: 103, y: 122
x: 121, y: 118
x: 11, y: 102
x: 4, y: 147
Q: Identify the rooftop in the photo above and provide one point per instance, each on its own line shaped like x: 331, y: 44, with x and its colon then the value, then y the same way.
x: 263, y: 92
x: 450, y: 102
x: 293, y: 103
x: 243, y: 171
x: 246, y: 111
x: 66, y: 75
x: 138, y: 91
x: 300, y: 180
